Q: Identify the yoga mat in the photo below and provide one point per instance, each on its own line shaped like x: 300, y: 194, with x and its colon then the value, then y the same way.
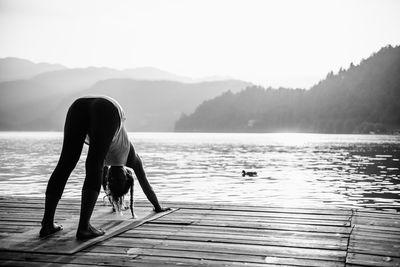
x: 64, y: 242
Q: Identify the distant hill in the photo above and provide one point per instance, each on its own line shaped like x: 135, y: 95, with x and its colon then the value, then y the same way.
x: 36, y: 96
x: 17, y: 69
x: 156, y: 105
x: 361, y: 99
x: 41, y: 103
x: 13, y: 69
x: 82, y: 78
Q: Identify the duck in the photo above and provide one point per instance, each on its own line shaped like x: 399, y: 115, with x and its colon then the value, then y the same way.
x: 250, y: 174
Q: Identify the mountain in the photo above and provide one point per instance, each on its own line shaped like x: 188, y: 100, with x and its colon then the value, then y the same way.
x: 37, y: 96
x: 17, y: 69
x: 13, y: 69
x: 82, y: 78
x: 156, y: 105
x: 362, y: 99
x: 149, y: 105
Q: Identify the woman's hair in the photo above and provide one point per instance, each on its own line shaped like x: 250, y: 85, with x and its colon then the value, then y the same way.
x: 116, y: 183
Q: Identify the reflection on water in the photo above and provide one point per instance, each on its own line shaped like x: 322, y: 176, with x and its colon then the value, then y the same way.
x: 293, y: 169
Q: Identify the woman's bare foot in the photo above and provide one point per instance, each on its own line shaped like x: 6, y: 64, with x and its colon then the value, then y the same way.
x: 49, y: 229
x: 89, y: 233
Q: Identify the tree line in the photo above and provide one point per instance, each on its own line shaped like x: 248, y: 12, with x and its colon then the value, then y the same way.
x: 363, y: 98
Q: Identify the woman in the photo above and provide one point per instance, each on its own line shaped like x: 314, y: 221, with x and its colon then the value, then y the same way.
x: 98, y: 122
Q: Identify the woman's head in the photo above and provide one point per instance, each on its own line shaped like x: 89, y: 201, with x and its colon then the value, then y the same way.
x: 117, y: 181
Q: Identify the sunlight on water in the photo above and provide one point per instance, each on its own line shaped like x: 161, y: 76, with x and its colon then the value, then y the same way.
x: 293, y: 169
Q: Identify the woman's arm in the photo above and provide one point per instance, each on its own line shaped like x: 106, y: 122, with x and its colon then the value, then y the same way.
x: 136, y: 164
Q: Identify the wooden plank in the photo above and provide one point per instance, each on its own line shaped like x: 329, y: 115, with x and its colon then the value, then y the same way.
x: 265, y: 218
x: 265, y: 225
x: 228, y: 258
x: 372, y: 260
x: 381, y: 222
x: 262, y: 250
x: 81, y: 259
x: 177, y: 261
x: 377, y: 229
x: 245, y: 220
x: 237, y: 231
x: 266, y: 241
x: 371, y: 235
x: 14, y: 228
x: 161, y: 228
x: 28, y: 220
x: 255, y: 219
x: 28, y: 206
x: 377, y: 214
x: 323, y: 209
x: 269, y: 214
x: 38, y: 264
x: 378, y: 247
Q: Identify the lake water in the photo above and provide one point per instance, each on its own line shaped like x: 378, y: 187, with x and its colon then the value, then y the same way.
x: 293, y: 169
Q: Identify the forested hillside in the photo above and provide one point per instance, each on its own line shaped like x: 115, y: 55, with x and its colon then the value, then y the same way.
x: 360, y: 99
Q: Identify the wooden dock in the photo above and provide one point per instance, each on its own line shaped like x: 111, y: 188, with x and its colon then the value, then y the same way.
x: 221, y: 235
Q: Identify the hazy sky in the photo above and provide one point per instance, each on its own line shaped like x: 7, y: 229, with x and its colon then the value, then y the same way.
x: 292, y: 43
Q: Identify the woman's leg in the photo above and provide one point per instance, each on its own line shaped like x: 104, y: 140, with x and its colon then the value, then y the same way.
x: 75, y: 129
x: 104, y: 122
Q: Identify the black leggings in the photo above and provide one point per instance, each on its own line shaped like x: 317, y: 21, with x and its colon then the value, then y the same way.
x: 98, y: 118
